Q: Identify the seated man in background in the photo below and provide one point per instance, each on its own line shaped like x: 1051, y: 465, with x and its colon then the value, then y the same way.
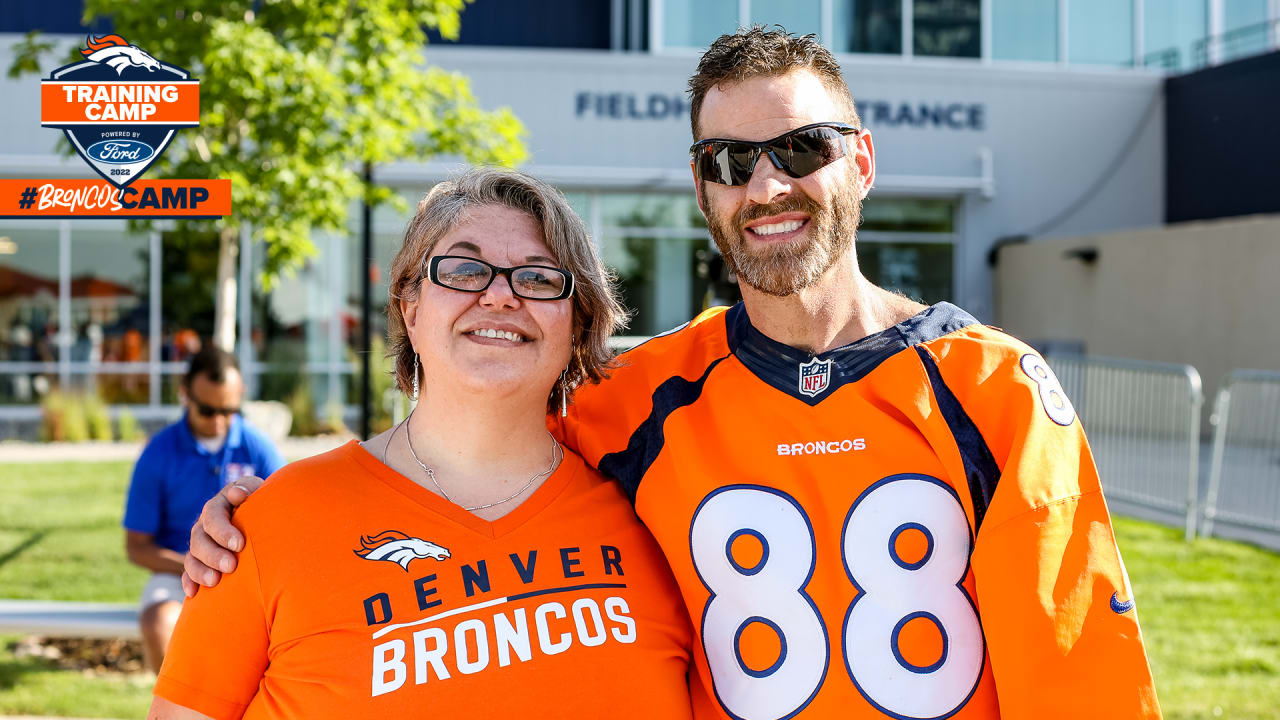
x: 183, y: 466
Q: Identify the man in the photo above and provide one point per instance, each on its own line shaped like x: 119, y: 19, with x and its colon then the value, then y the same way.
x: 184, y: 465
x: 873, y: 508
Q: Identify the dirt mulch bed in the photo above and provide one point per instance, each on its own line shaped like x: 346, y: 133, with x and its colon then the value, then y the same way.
x: 96, y: 655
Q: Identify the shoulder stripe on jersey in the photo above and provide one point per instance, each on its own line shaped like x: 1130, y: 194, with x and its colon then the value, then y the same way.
x: 980, y: 466
x: 779, y: 364
x: 629, y: 466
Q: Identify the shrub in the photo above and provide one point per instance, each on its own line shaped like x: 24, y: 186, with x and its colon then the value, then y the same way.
x: 127, y: 427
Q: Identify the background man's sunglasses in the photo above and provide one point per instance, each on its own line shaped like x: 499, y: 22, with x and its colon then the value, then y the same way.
x: 209, y: 411
x: 797, y: 153
x: 531, y: 282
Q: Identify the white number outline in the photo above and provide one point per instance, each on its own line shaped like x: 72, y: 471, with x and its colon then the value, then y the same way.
x: 1048, y: 385
x: 844, y: 528
x: 813, y: 563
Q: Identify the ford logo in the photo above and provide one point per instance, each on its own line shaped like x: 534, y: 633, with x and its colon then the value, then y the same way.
x: 120, y: 152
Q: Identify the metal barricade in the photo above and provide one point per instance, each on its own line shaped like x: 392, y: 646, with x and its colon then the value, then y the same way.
x: 1244, y: 478
x: 1143, y: 423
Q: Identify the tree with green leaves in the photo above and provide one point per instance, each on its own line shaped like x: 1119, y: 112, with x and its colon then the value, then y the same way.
x: 295, y: 99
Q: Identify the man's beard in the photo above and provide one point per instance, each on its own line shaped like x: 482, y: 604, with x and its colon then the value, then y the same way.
x: 787, y: 268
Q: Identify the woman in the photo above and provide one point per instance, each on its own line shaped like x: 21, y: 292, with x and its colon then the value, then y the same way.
x: 463, y: 562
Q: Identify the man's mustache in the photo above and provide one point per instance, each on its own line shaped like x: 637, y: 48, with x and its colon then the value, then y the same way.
x: 794, y: 203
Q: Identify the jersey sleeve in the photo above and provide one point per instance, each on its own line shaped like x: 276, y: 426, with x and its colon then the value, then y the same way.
x: 1057, y: 609
x: 145, y: 496
x: 218, y: 653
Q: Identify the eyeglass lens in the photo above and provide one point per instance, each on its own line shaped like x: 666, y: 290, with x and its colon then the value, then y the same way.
x: 529, y: 281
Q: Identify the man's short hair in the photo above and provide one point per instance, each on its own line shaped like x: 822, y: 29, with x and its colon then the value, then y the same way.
x: 759, y: 52
x: 213, y: 363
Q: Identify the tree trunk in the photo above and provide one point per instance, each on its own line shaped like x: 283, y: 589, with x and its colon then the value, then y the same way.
x: 224, y: 315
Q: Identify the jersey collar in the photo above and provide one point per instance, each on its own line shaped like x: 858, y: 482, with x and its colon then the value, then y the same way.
x: 787, y: 368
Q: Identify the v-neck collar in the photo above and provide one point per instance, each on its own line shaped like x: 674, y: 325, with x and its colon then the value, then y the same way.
x: 570, y: 465
x: 786, y: 368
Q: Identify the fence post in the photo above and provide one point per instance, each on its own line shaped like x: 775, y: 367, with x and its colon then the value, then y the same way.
x: 1193, y: 469
x: 1221, y: 414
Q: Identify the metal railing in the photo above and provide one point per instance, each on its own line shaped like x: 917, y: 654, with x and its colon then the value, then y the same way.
x: 1244, y: 478
x: 1242, y: 42
x: 1143, y: 423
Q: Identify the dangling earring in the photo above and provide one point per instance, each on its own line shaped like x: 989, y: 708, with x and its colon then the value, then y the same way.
x: 415, y: 377
x: 564, y: 402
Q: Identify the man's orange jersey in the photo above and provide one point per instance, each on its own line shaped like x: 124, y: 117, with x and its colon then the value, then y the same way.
x: 361, y: 594
x: 910, y: 526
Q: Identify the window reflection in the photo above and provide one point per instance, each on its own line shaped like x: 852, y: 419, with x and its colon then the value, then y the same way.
x: 1024, y: 30
x: 799, y: 17
x: 947, y: 28
x: 696, y: 23
x: 1100, y: 32
x: 1173, y: 29
x: 28, y: 313
x: 921, y: 271
x: 110, y: 312
x: 867, y: 26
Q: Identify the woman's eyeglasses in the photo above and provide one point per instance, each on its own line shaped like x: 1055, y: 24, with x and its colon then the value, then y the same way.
x: 797, y: 153
x: 531, y: 282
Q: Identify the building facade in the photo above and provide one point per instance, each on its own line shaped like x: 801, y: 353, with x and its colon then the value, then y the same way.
x: 991, y: 119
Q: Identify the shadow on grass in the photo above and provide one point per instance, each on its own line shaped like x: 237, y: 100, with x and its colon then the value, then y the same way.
x: 23, y: 546
x: 14, y: 669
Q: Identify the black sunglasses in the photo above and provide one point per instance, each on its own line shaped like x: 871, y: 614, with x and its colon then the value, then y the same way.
x: 531, y: 282
x: 797, y: 153
x: 209, y: 410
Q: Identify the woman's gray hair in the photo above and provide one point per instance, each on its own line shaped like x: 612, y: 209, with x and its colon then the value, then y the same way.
x: 597, y: 314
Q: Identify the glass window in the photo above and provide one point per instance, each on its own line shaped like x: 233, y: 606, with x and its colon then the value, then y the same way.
x: 1100, y: 32
x: 1243, y: 13
x: 867, y: 26
x: 918, y: 215
x: 1245, y: 29
x: 299, y: 330
x: 799, y: 17
x: 1024, y: 30
x: 947, y: 28
x: 1171, y: 28
x: 921, y: 271
x: 110, y: 311
x: 650, y: 210
x: 696, y: 23
x: 658, y: 276
x: 28, y: 313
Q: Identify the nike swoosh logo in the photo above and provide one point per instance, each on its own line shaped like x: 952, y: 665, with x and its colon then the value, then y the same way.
x: 1119, y: 607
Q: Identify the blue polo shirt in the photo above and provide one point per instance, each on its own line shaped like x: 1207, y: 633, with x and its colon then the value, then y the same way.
x: 176, y: 476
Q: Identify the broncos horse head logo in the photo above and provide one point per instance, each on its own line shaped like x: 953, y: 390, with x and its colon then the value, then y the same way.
x: 394, y: 546
x: 115, y: 51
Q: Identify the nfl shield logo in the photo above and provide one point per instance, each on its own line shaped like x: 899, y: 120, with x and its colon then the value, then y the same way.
x: 815, y: 377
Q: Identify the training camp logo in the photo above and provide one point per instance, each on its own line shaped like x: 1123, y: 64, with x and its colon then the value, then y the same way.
x: 394, y: 546
x: 120, y: 107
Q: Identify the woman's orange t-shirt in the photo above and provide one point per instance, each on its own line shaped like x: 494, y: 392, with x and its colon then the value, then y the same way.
x: 361, y: 594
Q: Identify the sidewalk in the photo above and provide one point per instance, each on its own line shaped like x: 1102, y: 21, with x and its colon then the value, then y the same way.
x: 293, y: 448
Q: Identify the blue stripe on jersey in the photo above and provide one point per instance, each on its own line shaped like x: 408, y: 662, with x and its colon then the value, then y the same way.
x: 980, y: 466
x: 779, y: 365
x: 629, y: 466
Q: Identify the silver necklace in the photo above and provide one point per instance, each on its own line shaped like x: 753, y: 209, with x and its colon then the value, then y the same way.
x: 556, y: 455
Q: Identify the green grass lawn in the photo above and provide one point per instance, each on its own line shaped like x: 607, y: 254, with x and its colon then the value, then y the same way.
x: 1210, y: 610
